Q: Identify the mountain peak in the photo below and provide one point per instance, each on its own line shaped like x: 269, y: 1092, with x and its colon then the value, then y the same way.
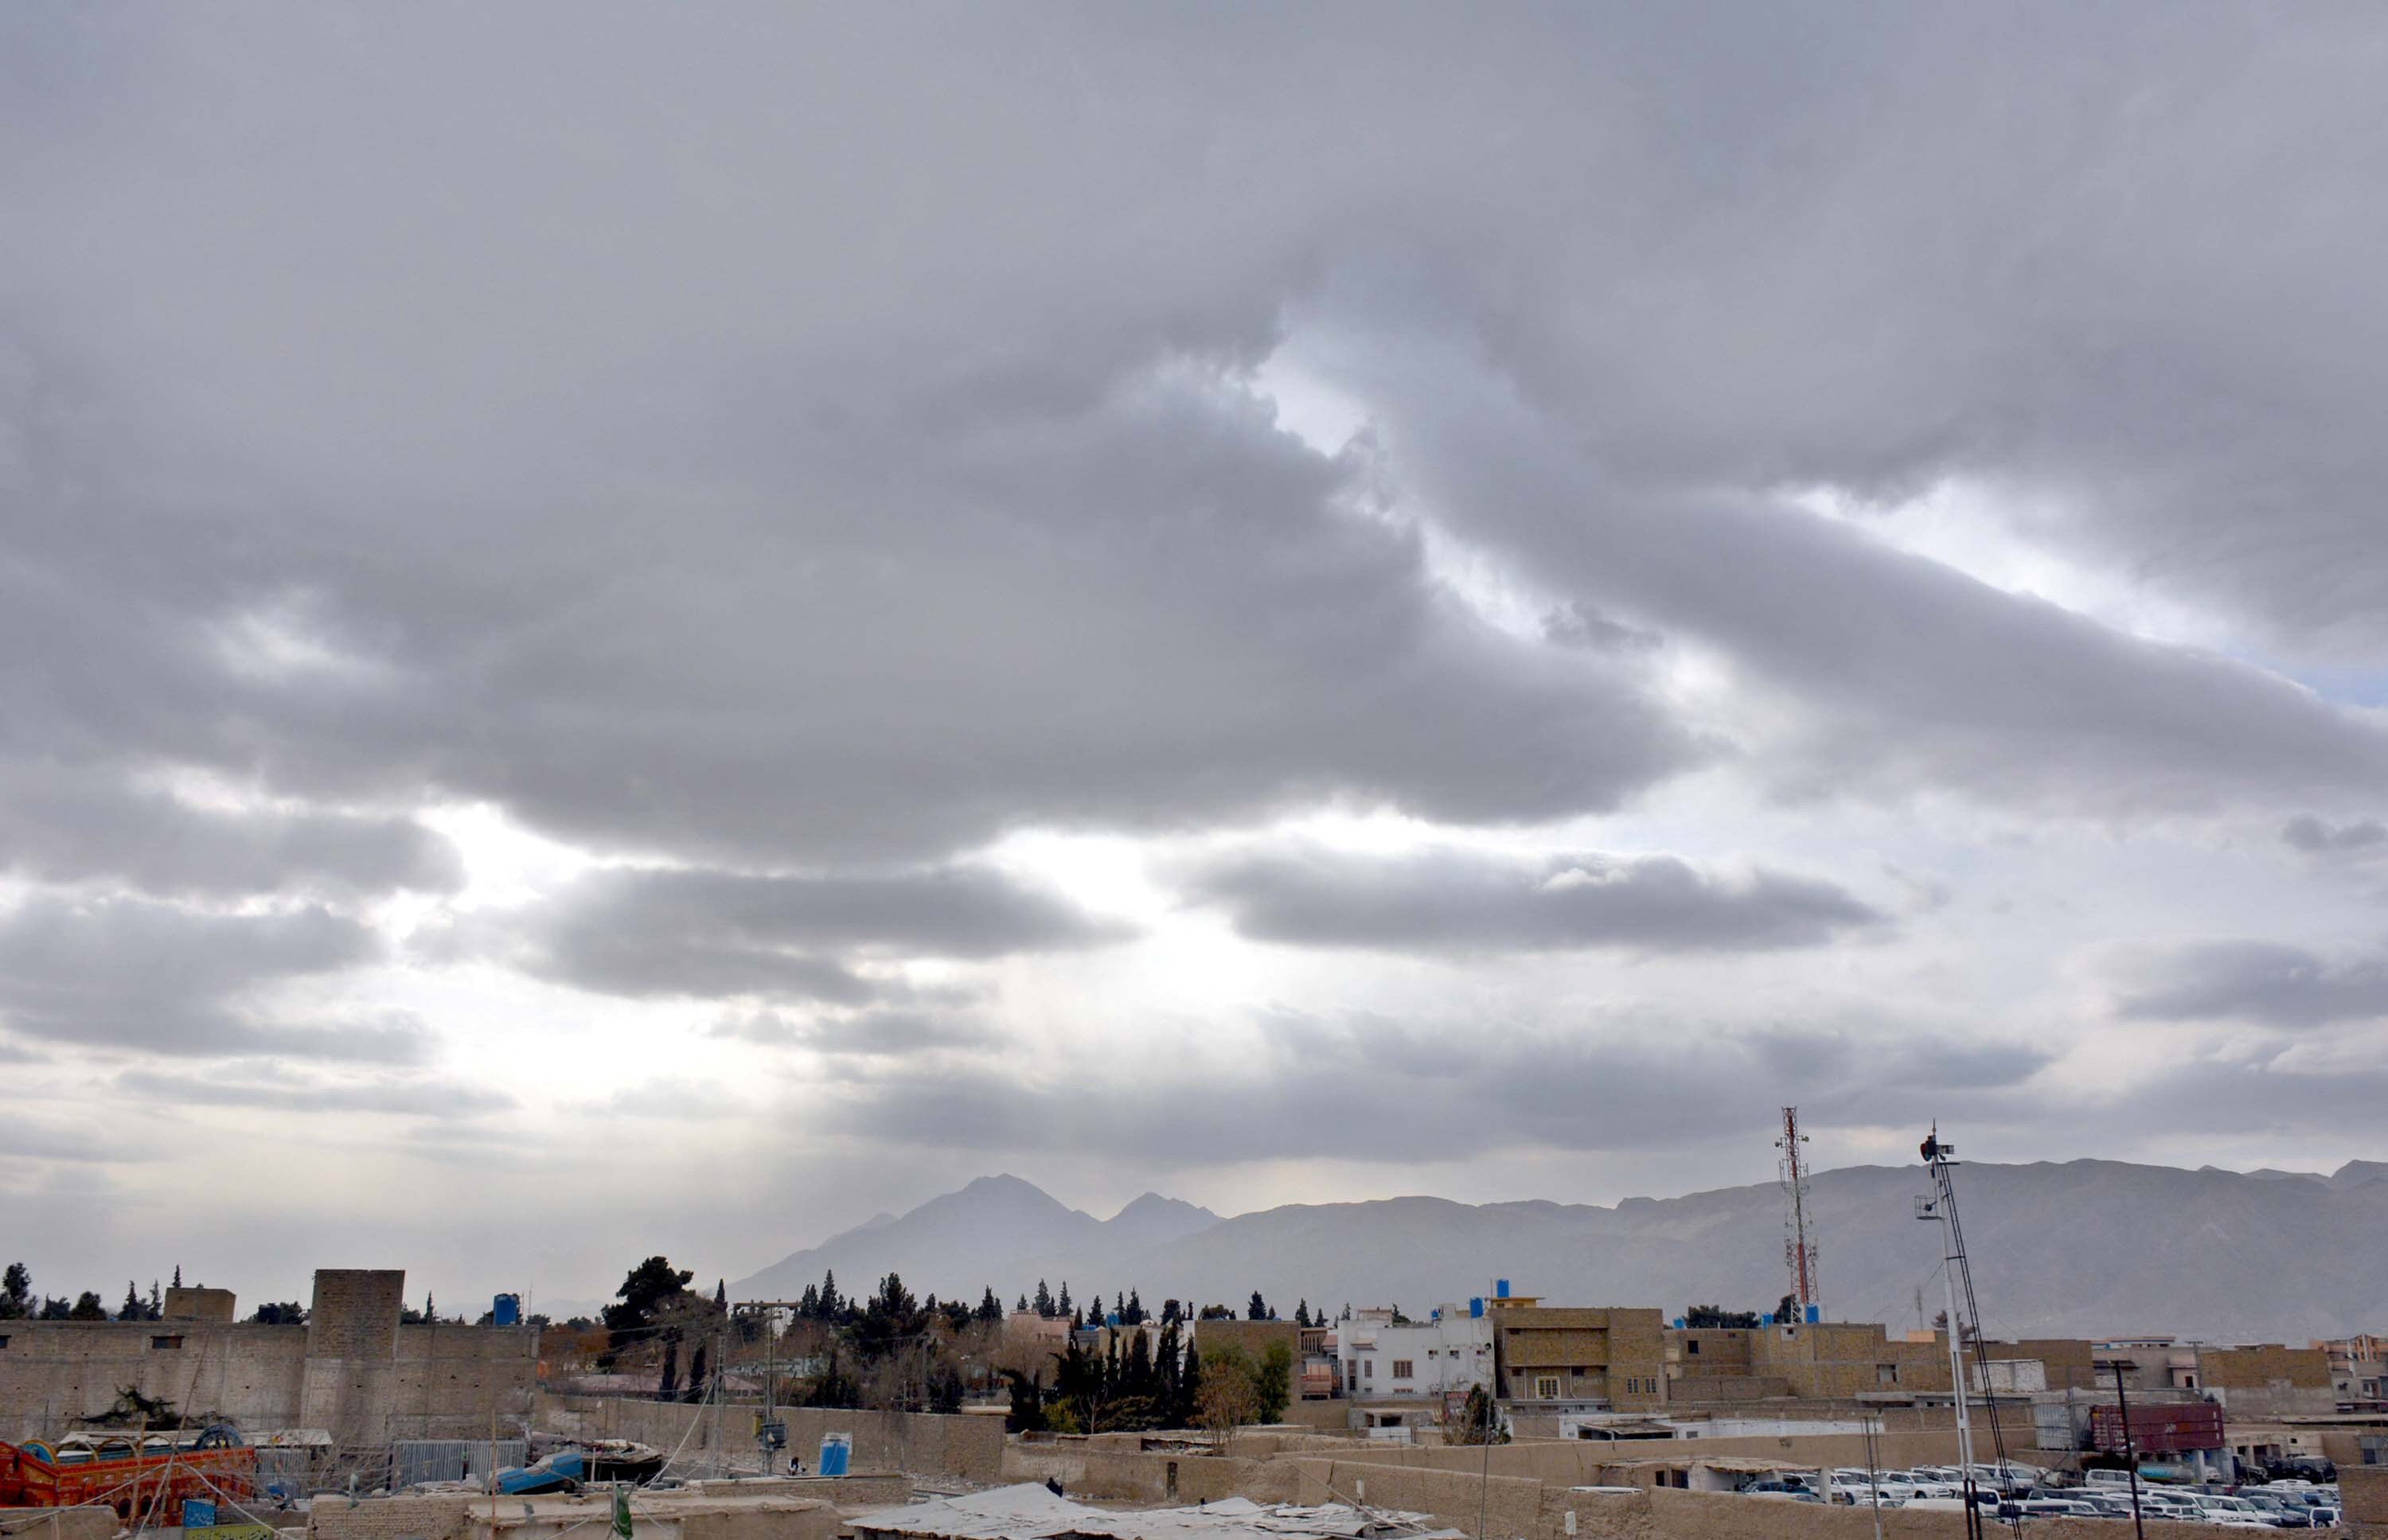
x: 2355, y: 1173
x: 1004, y: 1182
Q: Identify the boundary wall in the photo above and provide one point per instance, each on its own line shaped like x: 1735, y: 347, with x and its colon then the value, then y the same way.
x: 921, y: 1442
x: 1521, y: 1508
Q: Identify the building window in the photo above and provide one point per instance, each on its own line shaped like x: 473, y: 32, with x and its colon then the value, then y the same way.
x: 1403, y: 1369
x: 1546, y: 1387
x: 4, y: 1341
x: 168, y: 1343
x: 1693, y: 1347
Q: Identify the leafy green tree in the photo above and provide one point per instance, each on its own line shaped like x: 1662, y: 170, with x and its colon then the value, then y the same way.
x: 990, y: 1309
x: 1478, y: 1422
x: 808, y: 1303
x: 1788, y: 1310
x: 834, y: 1387
x: 1078, y: 1383
x: 1711, y: 1316
x: 16, y: 1292
x: 1258, y: 1309
x: 1024, y: 1303
x: 1027, y: 1413
x: 667, y: 1386
x: 286, y: 1313
x: 892, y: 1318
x: 1170, y: 1313
x: 1301, y: 1313
x: 646, y: 1290
x: 1187, y: 1406
x: 87, y: 1307
x: 56, y: 1308
x: 1273, y: 1382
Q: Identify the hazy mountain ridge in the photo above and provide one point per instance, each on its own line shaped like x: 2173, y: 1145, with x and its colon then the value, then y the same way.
x: 2085, y: 1248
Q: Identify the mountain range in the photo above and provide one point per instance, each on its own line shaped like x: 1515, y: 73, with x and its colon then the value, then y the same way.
x: 2081, y: 1248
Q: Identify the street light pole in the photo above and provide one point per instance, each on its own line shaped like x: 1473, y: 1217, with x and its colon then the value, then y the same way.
x: 2130, y: 1451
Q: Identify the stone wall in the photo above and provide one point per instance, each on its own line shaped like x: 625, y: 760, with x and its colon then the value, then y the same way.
x: 55, y: 1371
x: 352, y: 1377
x: 450, y: 1380
x: 58, y: 1523
x: 1522, y: 1508
x: 2363, y: 1489
x: 196, y: 1304
x: 1085, y: 1470
x: 439, y: 1516
x: 924, y: 1444
x: 352, y: 1370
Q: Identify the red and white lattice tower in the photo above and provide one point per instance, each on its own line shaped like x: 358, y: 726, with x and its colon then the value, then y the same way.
x: 1798, y: 1246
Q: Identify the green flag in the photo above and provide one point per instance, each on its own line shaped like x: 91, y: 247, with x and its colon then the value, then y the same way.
x: 621, y: 1511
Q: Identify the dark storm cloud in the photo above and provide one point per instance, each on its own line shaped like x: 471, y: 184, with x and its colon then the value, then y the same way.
x: 1656, y: 1084
x: 1888, y: 671
x: 1469, y: 900
x: 2315, y: 837
x: 917, y: 520
x: 59, y: 825
x: 684, y: 932
x: 2261, y: 982
x: 156, y: 978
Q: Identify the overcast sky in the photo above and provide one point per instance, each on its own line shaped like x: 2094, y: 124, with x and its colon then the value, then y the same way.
x: 625, y: 630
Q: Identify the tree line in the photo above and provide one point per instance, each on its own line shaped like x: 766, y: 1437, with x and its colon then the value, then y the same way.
x: 18, y: 1301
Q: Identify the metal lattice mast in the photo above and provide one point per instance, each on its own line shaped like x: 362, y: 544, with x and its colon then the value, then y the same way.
x: 1798, y: 1246
x: 1940, y: 1159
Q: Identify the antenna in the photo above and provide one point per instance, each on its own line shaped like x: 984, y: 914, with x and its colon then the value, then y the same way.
x: 1798, y: 1246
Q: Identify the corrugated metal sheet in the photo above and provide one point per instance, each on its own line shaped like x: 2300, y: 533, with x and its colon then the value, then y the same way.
x: 452, y: 1459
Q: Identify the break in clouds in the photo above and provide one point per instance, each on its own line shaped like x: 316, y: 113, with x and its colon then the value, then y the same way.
x: 912, y: 592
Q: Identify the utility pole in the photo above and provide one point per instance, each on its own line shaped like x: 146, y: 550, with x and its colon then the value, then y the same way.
x: 2130, y: 1451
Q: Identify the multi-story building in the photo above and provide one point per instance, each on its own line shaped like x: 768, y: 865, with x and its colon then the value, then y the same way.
x: 1822, y: 1360
x: 1448, y: 1354
x: 2264, y: 1380
x: 2358, y: 1367
x: 1603, y: 1358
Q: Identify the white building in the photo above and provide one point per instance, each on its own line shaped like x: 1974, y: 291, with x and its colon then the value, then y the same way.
x: 1451, y: 1353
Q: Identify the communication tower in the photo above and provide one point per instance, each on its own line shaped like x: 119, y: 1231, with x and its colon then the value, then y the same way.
x: 1798, y: 1246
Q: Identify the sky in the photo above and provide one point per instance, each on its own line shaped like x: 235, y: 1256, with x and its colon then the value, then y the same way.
x: 630, y: 630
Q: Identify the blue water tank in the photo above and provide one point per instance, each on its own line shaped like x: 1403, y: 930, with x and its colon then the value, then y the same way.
x: 1766, y: 1318
x: 1500, y: 1288
x: 1813, y: 1312
x: 506, y: 1310
x: 1679, y: 1323
x: 1476, y: 1307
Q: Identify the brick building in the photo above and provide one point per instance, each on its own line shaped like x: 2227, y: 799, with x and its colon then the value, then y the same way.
x: 1602, y: 1357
